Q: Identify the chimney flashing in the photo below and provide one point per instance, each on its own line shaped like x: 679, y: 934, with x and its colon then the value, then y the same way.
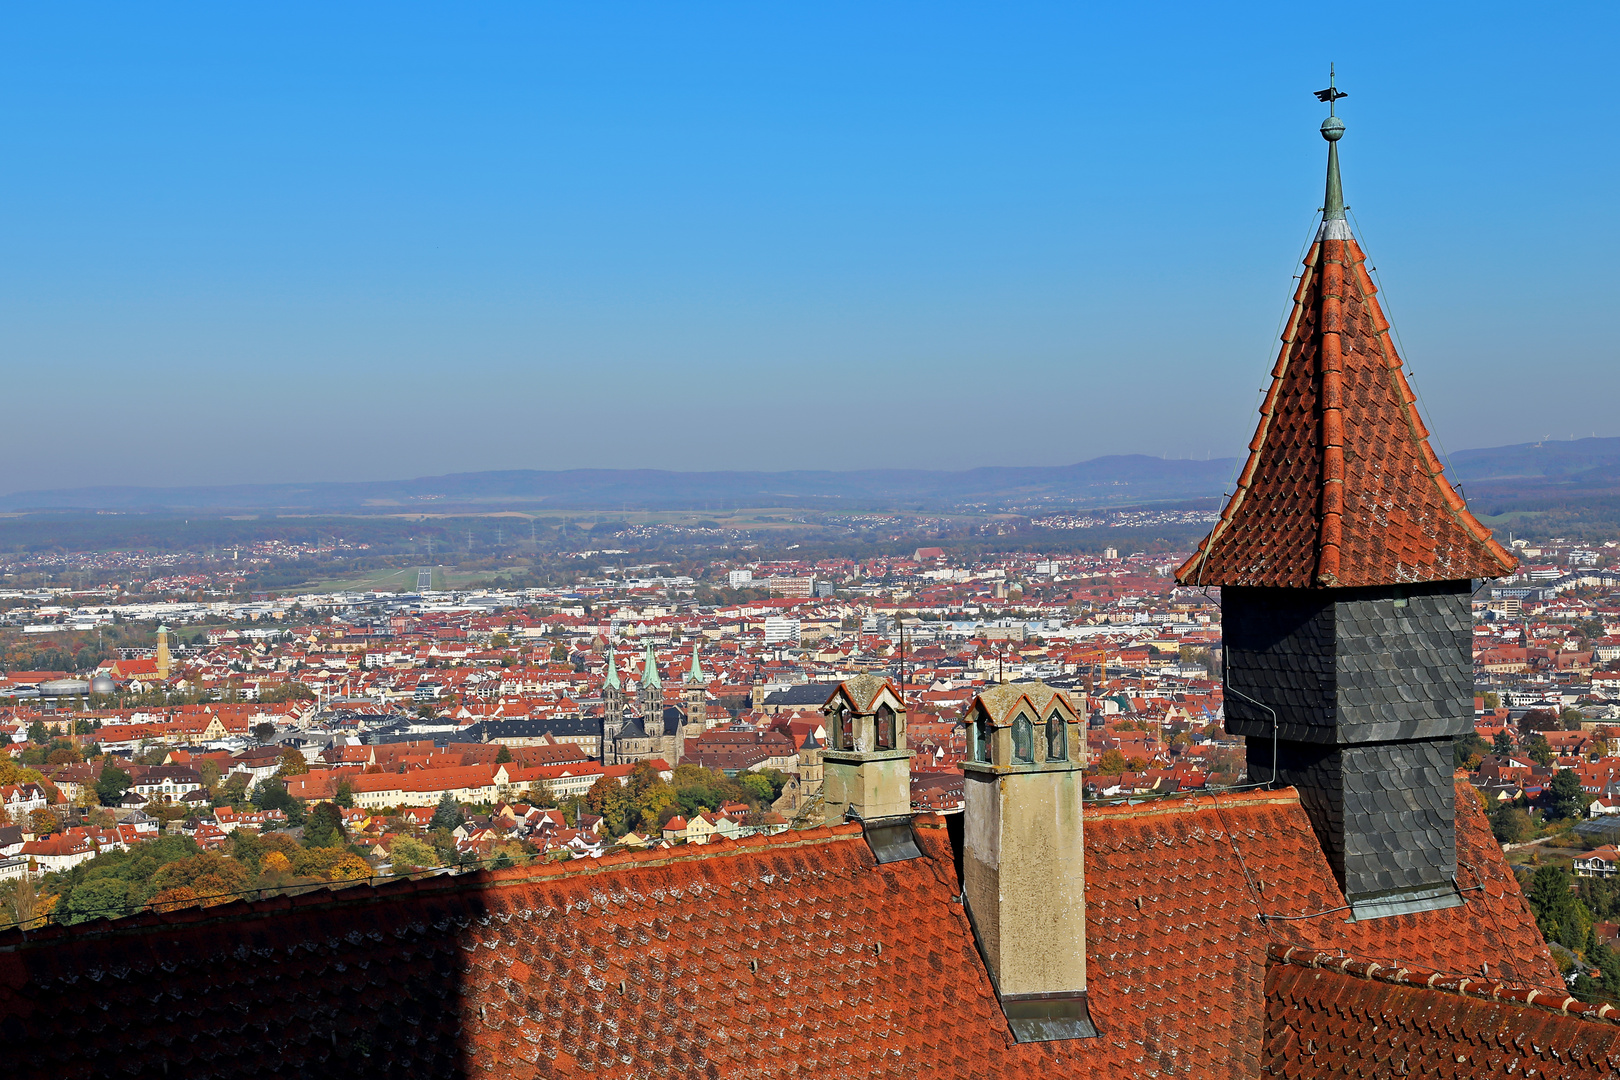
x: 890, y: 838
x: 1405, y: 902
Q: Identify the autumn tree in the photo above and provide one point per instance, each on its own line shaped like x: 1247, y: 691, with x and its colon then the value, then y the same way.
x: 1110, y: 763
x: 408, y: 853
x: 609, y: 800
x: 212, y: 877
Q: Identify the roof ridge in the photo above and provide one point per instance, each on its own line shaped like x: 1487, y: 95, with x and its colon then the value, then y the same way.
x: 1280, y: 796
x: 1512, y: 992
x: 364, y: 889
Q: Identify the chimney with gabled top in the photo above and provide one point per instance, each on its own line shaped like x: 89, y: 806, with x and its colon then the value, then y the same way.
x: 1023, y: 856
x: 866, y: 768
x: 1345, y: 562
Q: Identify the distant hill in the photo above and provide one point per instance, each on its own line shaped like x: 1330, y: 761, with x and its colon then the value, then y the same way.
x: 1592, y: 464
x: 1105, y: 481
x: 1539, y: 471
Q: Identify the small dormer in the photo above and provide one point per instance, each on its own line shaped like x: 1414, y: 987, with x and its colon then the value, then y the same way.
x: 866, y: 767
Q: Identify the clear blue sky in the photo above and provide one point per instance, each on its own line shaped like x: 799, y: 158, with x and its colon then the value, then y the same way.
x: 297, y: 241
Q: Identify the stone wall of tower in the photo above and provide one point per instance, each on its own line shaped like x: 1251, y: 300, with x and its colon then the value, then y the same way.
x: 1368, y: 686
x: 612, y: 723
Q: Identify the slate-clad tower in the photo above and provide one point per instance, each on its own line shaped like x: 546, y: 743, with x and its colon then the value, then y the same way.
x: 1345, y: 562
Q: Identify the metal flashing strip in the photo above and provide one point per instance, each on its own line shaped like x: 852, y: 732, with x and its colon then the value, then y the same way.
x: 1049, y: 1017
x: 1405, y: 902
x: 891, y: 839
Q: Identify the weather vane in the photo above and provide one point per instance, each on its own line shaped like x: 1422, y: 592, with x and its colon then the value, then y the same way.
x: 1332, y: 93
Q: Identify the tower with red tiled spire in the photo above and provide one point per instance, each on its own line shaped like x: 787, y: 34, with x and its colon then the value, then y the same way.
x: 1345, y: 561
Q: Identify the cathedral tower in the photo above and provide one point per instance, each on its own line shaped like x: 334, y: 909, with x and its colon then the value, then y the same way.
x: 612, y: 709
x: 695, y: 698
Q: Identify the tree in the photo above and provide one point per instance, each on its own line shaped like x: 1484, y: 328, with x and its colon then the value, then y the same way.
x: 608, y: 799
x: 344, y: 795
x: 408, y: 853
x: 1566, y: 799
x: 274, y: 866
x: 500, y: 641
x: 1572, y: 719
x: 264, y: 732
x: 271, y: 794
x: 447, y: 815
x: 1539, y: 749
x: 102, y: 898
x: 324, y: 827
x: 1111, y: 762
x: 212, y: 878
x: 1540, y: 720
x: 293, y: 763
x: 234, y: 791
x: 43, y: 823
x: 652, y: 806
x: 1491, y: 699
x: 174, y: 899
x: 539, y: 794
x: 1466, y: 750
x: 1502, y: 744
x: 111, y: 785
x: 757, y: 786
x: 1509, y: 824
x: 331, y: 864
x: 504, y: 755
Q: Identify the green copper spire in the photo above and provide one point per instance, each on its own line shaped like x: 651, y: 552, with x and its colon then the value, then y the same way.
x: 613, y: 667
x: 696, y: 674
x: 1334, y: 226
x: 649, y: 676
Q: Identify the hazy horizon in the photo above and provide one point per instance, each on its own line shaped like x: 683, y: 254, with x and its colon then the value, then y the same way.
x: 311, y: 245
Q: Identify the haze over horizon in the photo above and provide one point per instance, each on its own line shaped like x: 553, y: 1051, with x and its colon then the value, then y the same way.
x: 383, y: 242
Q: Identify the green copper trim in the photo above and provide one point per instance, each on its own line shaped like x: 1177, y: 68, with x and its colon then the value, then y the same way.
x: 1332, y: 131
x: 613, y: 667
x: 649, y: 677
x: 696, y: 674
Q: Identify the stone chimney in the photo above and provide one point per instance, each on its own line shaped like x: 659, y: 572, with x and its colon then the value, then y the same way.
x: 1345, y: 562
x: 866, y: 768
x: 1023, y: 858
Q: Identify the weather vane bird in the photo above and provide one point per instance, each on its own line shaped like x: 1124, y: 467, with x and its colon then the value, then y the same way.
x: 1332, y: 93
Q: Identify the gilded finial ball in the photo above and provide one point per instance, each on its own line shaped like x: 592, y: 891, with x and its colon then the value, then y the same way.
x: 1333, y: 129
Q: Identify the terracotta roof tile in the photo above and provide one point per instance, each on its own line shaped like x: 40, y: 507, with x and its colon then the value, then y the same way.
x: 1341, y: 487
x: 787, y: 956
x: 1330, y: 1015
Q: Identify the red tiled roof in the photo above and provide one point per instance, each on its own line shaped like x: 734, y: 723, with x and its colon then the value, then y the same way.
x: 1341, y: 487
x: 1329, y: 1016
x: 794, y: 955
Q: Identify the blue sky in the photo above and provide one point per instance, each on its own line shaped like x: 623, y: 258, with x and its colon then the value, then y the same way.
x: 301, y: 242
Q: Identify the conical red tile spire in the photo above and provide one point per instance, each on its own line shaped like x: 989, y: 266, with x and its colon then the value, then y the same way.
x: 1341, y: 488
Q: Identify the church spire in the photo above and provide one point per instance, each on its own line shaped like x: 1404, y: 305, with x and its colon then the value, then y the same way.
x: 613, y: 666
x: 696, y: 674
x: 1341, y: 488
x: 1334, y: 226
x: 649, y: 674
